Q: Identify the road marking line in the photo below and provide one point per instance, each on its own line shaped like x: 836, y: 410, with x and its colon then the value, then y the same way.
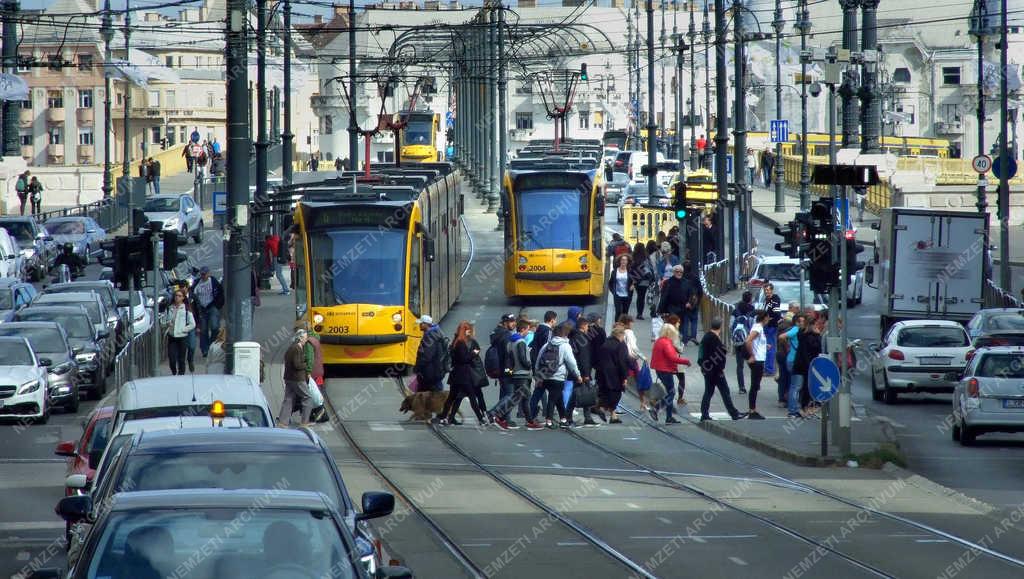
x: 31, y: 526
x: 664, y: 520
x: 476, y: 545
x: 633, y: 505
x: 737, y: 560
x: 539, y: 454
x: 630, y: 438
x: 520, y: 445
x: 22, y: 556
x: 607, y: 492
x: 571, y: 544
x: 931, y: 541
x: 700, y: 538
x: 385, y: 427
x: 556, y: 465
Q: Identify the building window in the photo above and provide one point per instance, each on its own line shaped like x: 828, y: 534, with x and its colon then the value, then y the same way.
x: 525, y: 87
x: 53, y: 61
x: 584, y: 119
x: 950, y: 113
x: 209, y: 100
x: 119, y: 99
x: 901, y: 76
x: 524, y: 121
x: 84, y: 62
x: 907, y: 110
x: 54, y: 99
x: 169, y: 61
x: 154, y: 135
x: 56, y: 137
x: 26, y: 138
x: 85, y: 137
x: 153, y: 98
x: 26, y: 104
x: 24, y: 63
x: 184, y: 135
x: 171, y: 100
x: 951, y: 75
x: 85, y: 98
x: 328, y: 125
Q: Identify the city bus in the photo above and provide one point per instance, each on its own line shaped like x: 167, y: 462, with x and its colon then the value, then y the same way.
x: 419, y: 137
x: 554, y: 231
x: 373, y: 255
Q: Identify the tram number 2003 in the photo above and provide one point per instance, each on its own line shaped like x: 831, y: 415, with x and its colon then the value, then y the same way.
x: 338, y: 330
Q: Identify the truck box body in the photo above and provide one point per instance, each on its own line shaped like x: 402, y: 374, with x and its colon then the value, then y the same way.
x: 932, y: 264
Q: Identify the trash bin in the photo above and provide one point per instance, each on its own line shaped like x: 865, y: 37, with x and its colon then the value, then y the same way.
x: 246, y: 358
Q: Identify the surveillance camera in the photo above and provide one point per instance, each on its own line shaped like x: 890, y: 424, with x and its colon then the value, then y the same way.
x: 815, y: 88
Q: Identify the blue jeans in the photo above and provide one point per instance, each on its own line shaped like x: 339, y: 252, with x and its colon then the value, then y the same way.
x: 796, y: 383
x: 209, y: 325
x: 281, y: 279
x: 567, y: 393
x: 535, y: 400
x: 668, y: 379
x: 689, y: 329
x: 513, y: 393
x: 771, y: 335
x: 784, y: 378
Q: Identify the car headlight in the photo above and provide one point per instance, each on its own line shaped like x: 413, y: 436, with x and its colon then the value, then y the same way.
x: 86, y: 357
x: 62, y: 368
x: 171, y: 223
x: 28, y: 387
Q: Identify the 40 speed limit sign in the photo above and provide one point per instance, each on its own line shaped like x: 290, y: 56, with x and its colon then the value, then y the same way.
x: 982, y: 164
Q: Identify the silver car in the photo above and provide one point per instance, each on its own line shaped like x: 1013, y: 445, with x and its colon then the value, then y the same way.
x: 177, y: 212
x: 83, y: 233
x: 990, y: 395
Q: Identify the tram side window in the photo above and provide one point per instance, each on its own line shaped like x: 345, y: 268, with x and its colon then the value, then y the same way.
x: 415, y: 291
x: 300, y: 273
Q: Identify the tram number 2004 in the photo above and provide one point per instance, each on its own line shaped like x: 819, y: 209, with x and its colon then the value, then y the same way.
x: 338, y: 330
x: 535, y: 268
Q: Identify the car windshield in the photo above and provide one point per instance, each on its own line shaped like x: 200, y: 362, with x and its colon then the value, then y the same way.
x: 16, y: 355
x: 551, y: 219
x: 66, y: 228
x: 1005, y: 321
x: 251, y: 415
x: 43, y: 340
x: 999, y: 365
x: 932, y: 337
x: 619, y: 179
x: 221, y: 543
x: 100, y: 436
x: 358, y: 266
x: 75, y: 325
x: 160, y: 204
x: 779, y: 272
x: 791, y: 293
x: 640, y: 190
x: 20, y: 230
x: 305, y: 471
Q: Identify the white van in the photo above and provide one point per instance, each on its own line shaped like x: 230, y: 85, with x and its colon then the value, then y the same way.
x: 636, y: 162
x: 192, y: 395
x: 10, y: 256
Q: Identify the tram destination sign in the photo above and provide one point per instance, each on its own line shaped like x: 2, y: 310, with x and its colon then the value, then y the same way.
x: 389, y: 216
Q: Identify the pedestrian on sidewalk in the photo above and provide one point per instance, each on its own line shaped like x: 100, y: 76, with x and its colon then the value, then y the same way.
x: 35, y: 193
x: 519, y: 371
x: 193, y: 339
x: 773, y: 306
x: 674, y: 293
x: 177, y: 321
x: 432, y: 356
x: 21, y: 186
x: 767, y: 166
x: 739, y: 329
x: 154, y: 169
x: 555, y: 365
x: 791, y: 338
x: 693, y: 292
x: 296, y: 382
x: 643, y: 277
x: 621, y: 285
x: 702, y: 145
x: 664, y: 262
x: 467, y: 377
x: 680, y: 349
x: 712, y: 365
x: 277, y: 259
x: 217, y: 359
x: 708, y: 240
x: 808, y: 348
x: 612, y: 363
x: 540, y: 339
x: 751, y: 166
x: 499, y: 339
x: 208, y: 299
x: 572, y: 316
x: 187, y: 153
x: 580, y: 343
x: 757, y: 351
x: 781, y: 351
x: 664, y: 361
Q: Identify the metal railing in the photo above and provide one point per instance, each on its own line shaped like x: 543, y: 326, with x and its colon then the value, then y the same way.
x: 140, y: 352
x: 996, y: 297
x: 108, y: 213
x: 642, y: 224
x: 714, y: 279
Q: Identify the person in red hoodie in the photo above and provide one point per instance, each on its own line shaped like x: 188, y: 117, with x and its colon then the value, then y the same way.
x: 665, y: 361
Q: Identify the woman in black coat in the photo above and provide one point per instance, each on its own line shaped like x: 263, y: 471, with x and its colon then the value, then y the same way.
x: 467, y: 377
x: 612, y: 365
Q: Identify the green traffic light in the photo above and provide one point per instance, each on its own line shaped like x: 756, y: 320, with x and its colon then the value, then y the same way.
x: 680, y: 214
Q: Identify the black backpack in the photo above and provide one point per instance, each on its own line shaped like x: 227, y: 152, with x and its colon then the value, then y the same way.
x: 446, y: 357
x: 492, y: 362
x: 548, y: 362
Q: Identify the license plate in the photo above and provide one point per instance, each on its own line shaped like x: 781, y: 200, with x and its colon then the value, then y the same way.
x: 936, y: 361
x: 1013, y: 403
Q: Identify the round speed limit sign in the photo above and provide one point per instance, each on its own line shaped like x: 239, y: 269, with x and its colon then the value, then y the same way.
x: 982, y: 164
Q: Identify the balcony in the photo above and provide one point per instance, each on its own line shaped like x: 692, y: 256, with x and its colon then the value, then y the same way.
x: 26, y: 117
x: 949, y: 127
x: 85, y: 154
x: 54, y: 115
x: 55, y: 150
x: 28, y: 151
x: 85, y: 116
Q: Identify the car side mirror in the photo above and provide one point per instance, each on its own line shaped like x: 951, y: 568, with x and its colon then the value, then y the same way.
x: 74, y: 508
x: 76, y: 481
x: 376, y: 504
x: 65, y: 448
x: 393, y: 572
x: 45, y: 362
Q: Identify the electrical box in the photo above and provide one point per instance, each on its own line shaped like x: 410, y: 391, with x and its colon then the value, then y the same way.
x: 246, y: 360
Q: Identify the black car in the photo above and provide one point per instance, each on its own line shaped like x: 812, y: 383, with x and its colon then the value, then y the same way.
x: 91, y: 348
x: 255, y: 458
x: 49, y: 341
x: 116, y: 319
x: 217, y: 533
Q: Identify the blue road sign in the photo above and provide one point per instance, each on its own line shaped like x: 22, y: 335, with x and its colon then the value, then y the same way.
x: 728, y: 164
x: 823, y: 378
x: 220, y: 202
x: 779, y: 130
x: 998, y: 168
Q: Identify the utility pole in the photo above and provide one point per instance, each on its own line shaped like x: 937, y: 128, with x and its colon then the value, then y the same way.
x: 1004, y: 182
x: 495, y: 160
x: 155, y: 239
x: 353, y: 97
x: 803, y: 23
x: 261, y: 98
x: 629, y: 71
x: 502, y: 111
x: 126, y: 173
x: 980, y: 30
x: 652, y: 121
x: 739, y: 168
x: 12, y: 145
x: 107, y: 32
x: 691, y: 35
x: 286, y: 135
x: 237, y: 265
x: 661, y: 63
x: 722, y: 134
x: 849, y: 88
x: 680, y: 48
x: 778, y: 24
x: 869, y: 97
x: 705, y: 33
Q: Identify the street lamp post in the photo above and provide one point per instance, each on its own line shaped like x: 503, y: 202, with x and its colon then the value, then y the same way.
x: 803, y: 23
x: 107, y: 32
x: 127, y: 145
x: 691, y: 35
x: 705, y: 33
x: 777, y: 24
x: 652, y: 120
x: 1004, y: 182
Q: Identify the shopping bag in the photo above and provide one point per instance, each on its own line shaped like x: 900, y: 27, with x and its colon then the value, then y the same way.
x: 644, y: 378
x: 657, y: 392
x: 315, y: 395
x: 586, y: 395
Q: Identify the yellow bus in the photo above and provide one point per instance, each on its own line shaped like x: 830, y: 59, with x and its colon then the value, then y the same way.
x: 554, y: 233
x: 419, y: 138
x: 372, y: 258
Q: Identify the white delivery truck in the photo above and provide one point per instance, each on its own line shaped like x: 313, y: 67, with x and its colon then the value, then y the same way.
x: 931, y: 264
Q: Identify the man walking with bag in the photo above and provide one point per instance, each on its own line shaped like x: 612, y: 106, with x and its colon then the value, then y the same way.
x: 296, y: 382
x: 713, y: 355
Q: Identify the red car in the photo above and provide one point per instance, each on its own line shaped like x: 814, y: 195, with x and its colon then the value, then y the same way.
x: 93, y: 441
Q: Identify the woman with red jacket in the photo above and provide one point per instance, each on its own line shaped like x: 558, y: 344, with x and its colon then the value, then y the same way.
x: 664, y: 361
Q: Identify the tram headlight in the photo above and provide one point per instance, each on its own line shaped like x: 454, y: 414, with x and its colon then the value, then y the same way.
x: 522, y: 260
x: 318, y: 318
x: 396, y: 318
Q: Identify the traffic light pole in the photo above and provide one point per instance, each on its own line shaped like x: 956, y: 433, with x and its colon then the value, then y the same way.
x: 842, y: 433
x: 155, y: 237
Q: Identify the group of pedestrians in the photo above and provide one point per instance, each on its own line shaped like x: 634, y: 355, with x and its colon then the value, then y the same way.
x: 192, y: 319
x: 149, y: 170
x: 29, y: 190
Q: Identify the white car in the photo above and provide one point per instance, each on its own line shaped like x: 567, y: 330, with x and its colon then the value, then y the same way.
x: 789, y: 292
x: 142, y: 318
x: 10, y: 257
x: 989, y: 397
x: 918, y: 356
x: 775, y: 268
x: 24, y: 387
x: 178, y: 212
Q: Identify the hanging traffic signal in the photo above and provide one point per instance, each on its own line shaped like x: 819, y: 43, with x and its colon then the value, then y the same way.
x: 679, y: 200
x: 852, y: 264
x: 823, y: 270
x: 789, y: 234
x: 172, y: 255
x: 583, y: 72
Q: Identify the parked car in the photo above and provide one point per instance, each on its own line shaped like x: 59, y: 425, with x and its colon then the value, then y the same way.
x: 142, y: 320
x: 996, y: 320
x: 11, y: 261
x: 24, y: 386
x: 103, y: 320
x: 989, y: 397
x: 918, y: 356
x: 38, y: 249
x: 116, y: 317
x: 14, y: 295
x: 50, y: 342
x: 789, y: 292
x: 614, y: 187
x: 773, y: 268
x: 91, y: 349
x: 177, y: 212
x: 93, y: 441
x: 172, y: 396
x: 636, y: 195
x: 998, y: 338
x: 83, y: 233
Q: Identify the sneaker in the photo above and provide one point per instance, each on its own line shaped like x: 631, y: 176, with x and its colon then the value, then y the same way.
x: 599, y: 413
x: 563, y: 423
x: 706, y: 419
x: 794, y: 415
x: 511, y: 425
x: 615, y: 421
x: 442, y: 422
x: 589, y: 424
x: 755, y: 416
x: 500, y: 423
x: 654, y: 414
x: 743, y: 390
x: 455, y: 422
x: 671, y: 420
x: 549, y: 424
x: 534, y: 425
x: 740, y: 416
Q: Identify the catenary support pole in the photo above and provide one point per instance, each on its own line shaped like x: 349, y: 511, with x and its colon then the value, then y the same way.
x: 778, y: 24
x: 353, y: 90
x: 502, y: 115
x: 126, y: 141
x: 652, y: 121
x: 237, y: 265
x: 981, y: 22
x: 869, y: 98
x: 804, y: 25
x: 261, y: 98
x: 286, y: 135
x: 691, y: 36
x: 1004, y: 182
x: 107, y: 33
x: 11, y: 109
x: 722, y: 135
x: 492, y: 110
x: 157, y: 261
x: 739, y: 169
x: 848, y: 91
x: 705, y: 32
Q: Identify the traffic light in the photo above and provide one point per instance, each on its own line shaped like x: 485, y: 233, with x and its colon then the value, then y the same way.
x: 172, y: 256
x: 852, y: 265
x: 823, y: 270
x: 583, y: 72
x: 449, y: 136
x: 679, y: 200
x: 789, y: 233
x: 109, y: 256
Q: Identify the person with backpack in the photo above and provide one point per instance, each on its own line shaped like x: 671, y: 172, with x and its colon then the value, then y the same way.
x: 433, y: 359
x: 555, y: 365
x: 540, y: 339
x: 494, y: 358
x: 466, y: 378
x: 616, y: 247
x: 519, y: 371
x: 583, y: 392
x: 21, y: 186
x: 742, y: 321
x: 757, y: 352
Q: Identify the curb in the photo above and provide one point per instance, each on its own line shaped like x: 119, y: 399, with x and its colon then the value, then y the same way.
x: 769, y: 449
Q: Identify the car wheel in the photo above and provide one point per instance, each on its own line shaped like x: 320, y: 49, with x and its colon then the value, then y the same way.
x: 88, y: 255
x: 198, y: 237
x: 956, y: 433
x: 967, y: 435
x: 889, y: 395
x: 850, y: 302
x: 73, y: 407
x: 876, y: 394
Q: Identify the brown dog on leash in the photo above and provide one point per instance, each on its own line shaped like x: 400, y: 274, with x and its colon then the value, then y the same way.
x: 424, y: 405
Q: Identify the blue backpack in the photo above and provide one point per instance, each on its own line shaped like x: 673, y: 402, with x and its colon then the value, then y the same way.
x: 741, y: 326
